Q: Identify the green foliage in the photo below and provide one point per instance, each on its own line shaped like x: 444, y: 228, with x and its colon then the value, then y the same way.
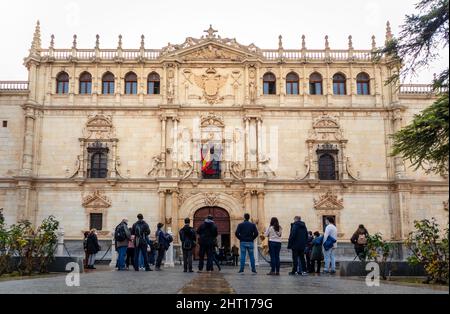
x: 34, y: 248
x: 429, y: 250
x: 377, y: 249
x: 425, y: 142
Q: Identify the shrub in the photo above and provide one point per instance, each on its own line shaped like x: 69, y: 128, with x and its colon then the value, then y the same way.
x: 379, y: 251
x: 429, y: 250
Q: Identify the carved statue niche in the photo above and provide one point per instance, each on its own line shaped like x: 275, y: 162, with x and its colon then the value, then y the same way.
x: 265, y: 168
x: 157, y: 163
x: 252, y: 87
x: 170, y: 86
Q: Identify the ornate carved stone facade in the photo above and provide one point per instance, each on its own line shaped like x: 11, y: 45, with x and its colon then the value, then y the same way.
x: 201, y: 126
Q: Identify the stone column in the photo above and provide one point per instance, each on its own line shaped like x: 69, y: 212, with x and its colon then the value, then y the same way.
x: 175, y: 215
x: 175, y: 148
x: 163, y: 146
x: 261, y: 211
x: 248, y: 202
x: 28, y: 154
x: 247, y: 147
x: 400, y: 169
x: 60, y: 247
x: 162, y: 207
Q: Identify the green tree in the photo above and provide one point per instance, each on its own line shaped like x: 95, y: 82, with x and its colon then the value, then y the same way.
x: 423, y: 36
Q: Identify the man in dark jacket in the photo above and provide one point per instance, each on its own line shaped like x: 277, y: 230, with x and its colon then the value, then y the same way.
x: 188, y: 239
x: 207, y: 233
x: 297, y: 243
x: 247, y: 232
x: 141, y: 231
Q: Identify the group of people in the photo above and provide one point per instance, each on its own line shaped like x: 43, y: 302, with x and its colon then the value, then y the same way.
x: 135, y: 247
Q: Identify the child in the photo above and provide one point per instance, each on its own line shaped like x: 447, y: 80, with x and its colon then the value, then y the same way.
x: 316, y: 252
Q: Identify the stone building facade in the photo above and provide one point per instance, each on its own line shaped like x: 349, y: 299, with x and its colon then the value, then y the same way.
x: 211, y: 125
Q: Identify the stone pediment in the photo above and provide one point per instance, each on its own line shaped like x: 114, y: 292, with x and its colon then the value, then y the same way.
x: 96, y: 200
x: 329, y: 201
x: 211, y: 48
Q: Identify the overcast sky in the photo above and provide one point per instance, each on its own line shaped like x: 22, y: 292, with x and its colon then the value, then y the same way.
x: 249, y: 21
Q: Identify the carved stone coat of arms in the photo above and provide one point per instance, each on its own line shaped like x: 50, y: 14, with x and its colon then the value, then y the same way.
x: 211, y: 83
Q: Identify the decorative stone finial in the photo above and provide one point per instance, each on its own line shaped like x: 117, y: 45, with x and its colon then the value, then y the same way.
x: 389, y: 35
x: 52, y: 42
x: 74, y: 45
x: 280, y: 42
x: 350, y: 42
x: 327, y: 43
x: 303, y: 42
x: 97, y: 41
x: 211, y: 32
x: 36, y: 44
x: 120, y: 42
x: 142, y: 42
x: 374, y: 43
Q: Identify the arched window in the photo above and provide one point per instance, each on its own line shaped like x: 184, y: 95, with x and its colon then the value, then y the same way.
x: 327, y: 167
x: 85, y: 83
x: 131, y: 84
x: 98, y: 156
x: 108, y: 84
x: 339, y: 84
x: 269, y: 82
x: 315, y: 84
x: 153, y: 84
x: 363, y: 84
x: 62, y: 83
x: 292, y: 84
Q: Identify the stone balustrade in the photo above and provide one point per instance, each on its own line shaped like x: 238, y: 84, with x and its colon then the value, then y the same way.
x: 13, y: 86
x: 420, y: 89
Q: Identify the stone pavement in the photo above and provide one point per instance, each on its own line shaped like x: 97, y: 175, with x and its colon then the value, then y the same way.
x: 171, y: 281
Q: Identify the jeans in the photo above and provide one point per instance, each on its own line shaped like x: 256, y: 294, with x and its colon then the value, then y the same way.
x: 187, y: 260
x: 130, y: 256
x: 296, y: 255
x: 209, y: 251
x: 250, y: 247
x: 91, y: 260
x: 142, y: 249
x: 121, y: 259
x: 274, y: 250
x: 329, y: 258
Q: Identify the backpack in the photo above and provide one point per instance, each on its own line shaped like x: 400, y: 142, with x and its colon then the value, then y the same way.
x: 188, y: 244
x: 362, y: 239
x: 120, y: 234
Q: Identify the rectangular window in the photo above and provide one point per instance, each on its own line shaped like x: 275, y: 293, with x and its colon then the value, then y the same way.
x: 85, y: 88
x: 339, y: 88
x: 315, y: 88
x: 363, y: 89
x: 96, y: 221
x: 5, y: 124
x: 323, y: 221
x: 131, y: 88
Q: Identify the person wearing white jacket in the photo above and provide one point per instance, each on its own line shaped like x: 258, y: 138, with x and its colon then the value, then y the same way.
x: 330, y: 231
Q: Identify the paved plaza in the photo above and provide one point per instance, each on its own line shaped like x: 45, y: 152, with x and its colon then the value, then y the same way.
x: 174, y: 281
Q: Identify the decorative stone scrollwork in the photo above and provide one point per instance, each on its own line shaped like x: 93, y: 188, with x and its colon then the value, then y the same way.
x: 445, y: 205
x: 211, y: 199
x: 96, y: 200
x: 264, y: 166
x: 211, y: 119
x: 236, y: 170
x: 211, y: 83
x: 186, y: 170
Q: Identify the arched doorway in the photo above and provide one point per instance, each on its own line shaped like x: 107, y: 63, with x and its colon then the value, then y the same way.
x: 223, y: 222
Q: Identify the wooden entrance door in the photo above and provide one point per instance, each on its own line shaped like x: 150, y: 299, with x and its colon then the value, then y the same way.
x: 222, y: 221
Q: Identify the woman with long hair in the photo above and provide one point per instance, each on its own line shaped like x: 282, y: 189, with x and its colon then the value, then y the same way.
x: 359, y: 240
x: 274, y: 233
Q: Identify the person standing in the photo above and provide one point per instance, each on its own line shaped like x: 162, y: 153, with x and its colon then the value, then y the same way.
x: 122, y: 236
x: 207, y: 233
x: 330, y: 245
x: 188, y: 242
x: 308, y: 252
x: 247, y: 232
x: 316, y: 252
x: 359, y: 240
x: 297, y: 243
x: 93, y: 248
x: 130, y: 251
x: 162, y: 245
x: 141, y: 231
x: 235, y: 254
x: 86, y: 255
x: 274, y: 233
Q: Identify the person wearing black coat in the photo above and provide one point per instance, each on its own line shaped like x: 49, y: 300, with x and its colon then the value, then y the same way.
x: 298, y: 240
x: 207, y: 233
x: 247, y: 233
x: 141, y: 231
x: 188, y: 239
x: 92, y: 248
